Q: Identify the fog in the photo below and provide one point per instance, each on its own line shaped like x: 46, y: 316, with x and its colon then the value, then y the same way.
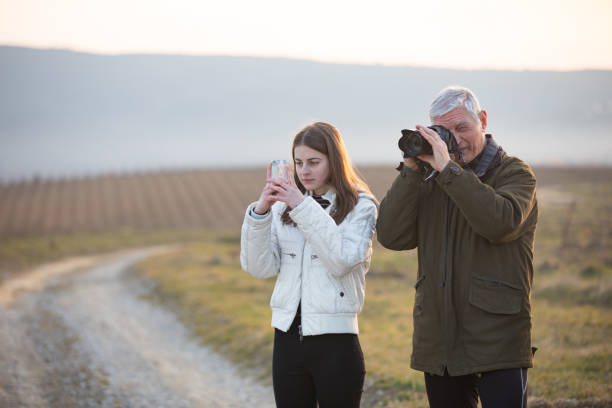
x: 66, y: 114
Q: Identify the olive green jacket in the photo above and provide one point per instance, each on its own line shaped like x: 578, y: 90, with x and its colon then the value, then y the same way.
x: 475, y: 240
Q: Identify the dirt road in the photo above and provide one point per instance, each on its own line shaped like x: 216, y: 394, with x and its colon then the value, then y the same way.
x: 84, y: 338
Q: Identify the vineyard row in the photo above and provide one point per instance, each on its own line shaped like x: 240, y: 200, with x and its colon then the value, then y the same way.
x: 187, y: 199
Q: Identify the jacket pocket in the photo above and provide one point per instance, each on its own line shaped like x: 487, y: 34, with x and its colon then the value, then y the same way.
x: 418, y: 296
x: 288, y: 257
x: 495, y: 296
x: 340, y: 300
x: 496, y: 325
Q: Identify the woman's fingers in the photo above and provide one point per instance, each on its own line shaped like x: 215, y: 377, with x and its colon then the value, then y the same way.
x: 280, y: 183
x: 289, y: 172
x: 267, y: 187
x: 269, y: 172
x: 278, y: 188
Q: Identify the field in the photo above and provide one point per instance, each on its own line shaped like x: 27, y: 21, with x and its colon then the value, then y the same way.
x: 228, y: 309
x: 47, y: 219
x: 189, y: 199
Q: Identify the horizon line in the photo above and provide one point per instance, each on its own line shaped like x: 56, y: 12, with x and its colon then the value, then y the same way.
x: 293, y: 58
x: 79, y: 175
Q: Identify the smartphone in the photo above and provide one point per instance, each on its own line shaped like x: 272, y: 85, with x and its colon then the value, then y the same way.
x: 279, y: 169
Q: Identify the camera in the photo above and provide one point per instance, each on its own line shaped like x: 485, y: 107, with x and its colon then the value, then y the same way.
x: 413, y: 144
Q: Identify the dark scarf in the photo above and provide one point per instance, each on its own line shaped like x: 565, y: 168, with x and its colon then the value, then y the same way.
x: 490, y: 157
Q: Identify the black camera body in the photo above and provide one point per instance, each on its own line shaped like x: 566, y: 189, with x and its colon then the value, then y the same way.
x: 413, y: 144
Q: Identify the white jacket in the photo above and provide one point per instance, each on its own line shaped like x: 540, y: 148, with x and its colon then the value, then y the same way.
x: 319, y: 262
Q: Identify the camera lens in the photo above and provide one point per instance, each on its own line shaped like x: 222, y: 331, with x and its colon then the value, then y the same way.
x: 413, y: 144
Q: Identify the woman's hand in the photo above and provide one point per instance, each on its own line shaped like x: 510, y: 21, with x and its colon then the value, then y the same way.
x: 268, y: 195
x: 286, y: 190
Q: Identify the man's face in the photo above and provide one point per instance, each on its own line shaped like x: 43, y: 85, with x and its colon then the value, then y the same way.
x: 469, y: 133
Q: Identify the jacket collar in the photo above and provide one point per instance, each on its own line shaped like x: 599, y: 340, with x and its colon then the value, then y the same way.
x: 329, y: 195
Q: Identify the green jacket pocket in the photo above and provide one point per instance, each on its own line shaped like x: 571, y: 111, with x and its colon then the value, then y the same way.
x: 495, y: 296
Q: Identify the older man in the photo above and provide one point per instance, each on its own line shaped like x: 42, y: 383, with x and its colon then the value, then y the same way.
x: 474, y: 226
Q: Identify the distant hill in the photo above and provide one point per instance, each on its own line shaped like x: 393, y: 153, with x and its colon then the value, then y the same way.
x: 70, y: 113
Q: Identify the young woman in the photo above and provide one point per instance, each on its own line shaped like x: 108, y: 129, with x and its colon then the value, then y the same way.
x: 314, y: 231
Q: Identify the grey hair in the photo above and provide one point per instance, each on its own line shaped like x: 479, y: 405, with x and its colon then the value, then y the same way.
x: 452, y: 97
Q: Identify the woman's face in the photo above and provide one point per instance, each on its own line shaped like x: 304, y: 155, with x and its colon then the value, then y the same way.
x: 312, y: 169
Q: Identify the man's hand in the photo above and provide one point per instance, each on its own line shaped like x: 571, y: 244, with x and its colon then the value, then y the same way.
x: 410, y: 162
x: 440, y: 157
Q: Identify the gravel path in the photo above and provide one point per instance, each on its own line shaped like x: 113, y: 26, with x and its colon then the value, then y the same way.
x: 86, y: 339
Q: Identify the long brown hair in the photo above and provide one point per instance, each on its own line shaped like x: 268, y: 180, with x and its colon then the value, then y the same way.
x: 325, y: 138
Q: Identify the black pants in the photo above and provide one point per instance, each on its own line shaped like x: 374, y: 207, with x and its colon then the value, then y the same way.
x: 496, y: 389
x: 328, y: 369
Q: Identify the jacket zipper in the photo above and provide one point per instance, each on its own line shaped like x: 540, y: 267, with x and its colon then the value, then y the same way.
x: 446, y: 242
x: 301, y: 333
x: 445, y: 289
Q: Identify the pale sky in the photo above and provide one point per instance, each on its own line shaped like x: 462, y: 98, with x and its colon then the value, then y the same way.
x: 517, y: 34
